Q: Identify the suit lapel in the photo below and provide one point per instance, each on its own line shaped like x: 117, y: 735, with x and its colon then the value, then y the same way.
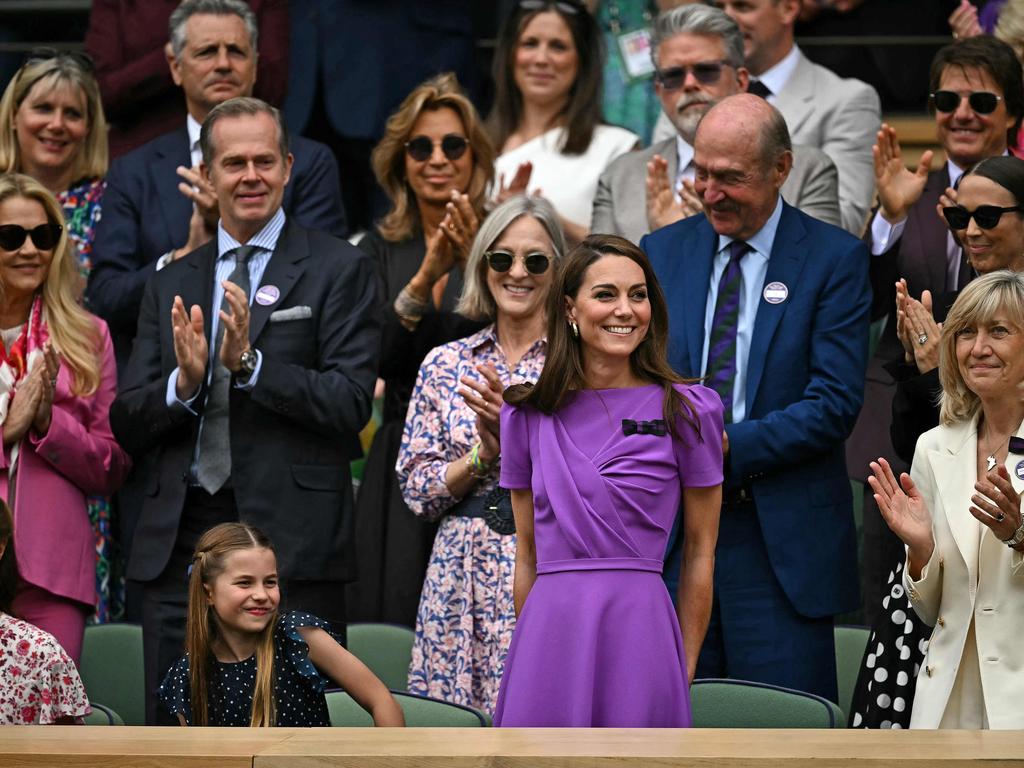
x: 934, y: 237
x: 175, y: 208
x: 195, y: 284
x: 697, y: 258
x: 283, y: 270
x: 955, y: 474
x: 796, y: 102
x: 789, y: 252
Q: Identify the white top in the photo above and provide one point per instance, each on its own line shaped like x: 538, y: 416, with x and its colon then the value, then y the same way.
x: 568, y: 181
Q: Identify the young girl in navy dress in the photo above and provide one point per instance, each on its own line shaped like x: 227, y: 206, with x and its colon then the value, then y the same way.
x: 246, y: 665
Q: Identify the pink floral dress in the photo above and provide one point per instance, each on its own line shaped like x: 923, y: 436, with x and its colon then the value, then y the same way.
x: 466, y: 616
x: 38, y: 680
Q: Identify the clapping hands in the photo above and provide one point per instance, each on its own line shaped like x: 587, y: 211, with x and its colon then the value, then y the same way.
x: 916, y: 328
x: 898, y: 187
x: 484, y: 399
x: 31, y: 406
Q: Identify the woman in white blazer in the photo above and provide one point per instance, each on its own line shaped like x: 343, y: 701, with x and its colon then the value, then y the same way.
x: 959, y: 510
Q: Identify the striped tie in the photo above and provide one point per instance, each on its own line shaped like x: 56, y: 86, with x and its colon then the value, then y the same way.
x: 720, y: 373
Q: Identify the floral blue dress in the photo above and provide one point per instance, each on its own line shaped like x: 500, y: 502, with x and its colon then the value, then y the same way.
x: 466, y: 616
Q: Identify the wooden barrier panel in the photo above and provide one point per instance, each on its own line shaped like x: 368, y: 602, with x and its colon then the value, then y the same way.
x: 113, y: 747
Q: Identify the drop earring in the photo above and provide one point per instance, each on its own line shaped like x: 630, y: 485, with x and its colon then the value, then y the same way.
x: 575, y: 328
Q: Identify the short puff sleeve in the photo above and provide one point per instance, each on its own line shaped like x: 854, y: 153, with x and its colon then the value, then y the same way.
x: 699, y: 458
x: 516, y: 466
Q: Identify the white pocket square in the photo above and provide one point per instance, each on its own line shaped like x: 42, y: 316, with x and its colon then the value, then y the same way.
x: 292, y: 313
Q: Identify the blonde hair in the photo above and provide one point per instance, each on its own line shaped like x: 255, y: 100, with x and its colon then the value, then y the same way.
x: 388, y: 158
x: 476, y: 301
x: 997, y: 294
x: 93, y: 159
x: 72, y: 329
x: 1010, y: 28
x: 208, y: 563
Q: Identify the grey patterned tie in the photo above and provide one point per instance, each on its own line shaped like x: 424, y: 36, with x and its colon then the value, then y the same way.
x: 213, y: 467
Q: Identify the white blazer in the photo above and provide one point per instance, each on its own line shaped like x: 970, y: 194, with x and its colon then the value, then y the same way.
x: 970, y: 576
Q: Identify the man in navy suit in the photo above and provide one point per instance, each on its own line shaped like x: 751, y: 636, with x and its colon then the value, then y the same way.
x: 156, y: 207
x: 772, y: 307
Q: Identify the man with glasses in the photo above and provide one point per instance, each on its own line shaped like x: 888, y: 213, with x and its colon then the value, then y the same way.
x: 838, y: 116
x: 977, y: 98
x: 698, y: 57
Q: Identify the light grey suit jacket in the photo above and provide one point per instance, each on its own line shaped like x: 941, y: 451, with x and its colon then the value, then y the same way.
x: 620, y: 205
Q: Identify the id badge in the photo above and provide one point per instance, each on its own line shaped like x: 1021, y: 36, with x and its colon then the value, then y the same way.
x: 635, y: 48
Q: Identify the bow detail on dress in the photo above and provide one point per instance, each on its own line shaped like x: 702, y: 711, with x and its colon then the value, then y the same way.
x: 655, y: 427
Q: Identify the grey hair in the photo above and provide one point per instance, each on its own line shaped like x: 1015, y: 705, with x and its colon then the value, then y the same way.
x: 476, y: 301
x: 699, y: 19
x: 236, y: 107
x: 189, y: 8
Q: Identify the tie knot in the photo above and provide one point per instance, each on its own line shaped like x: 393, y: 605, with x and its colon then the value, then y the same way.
x: 737, y: 250
x: 243, y: 253
x: 758, y: 88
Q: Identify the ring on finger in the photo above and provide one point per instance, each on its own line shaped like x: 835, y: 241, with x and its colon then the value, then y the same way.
x: 922, y: 338
x: 1000, y: 517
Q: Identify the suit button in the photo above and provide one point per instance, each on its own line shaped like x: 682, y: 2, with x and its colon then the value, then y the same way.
x: 942, y: 562
x: 941, y: 622
x: 184, y: 477
x: 929, y: 670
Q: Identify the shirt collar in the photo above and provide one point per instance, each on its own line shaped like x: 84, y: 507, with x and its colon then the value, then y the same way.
x: 955, y: 171
x: 764, y: 238
x: 488, y: 335
x: 265, y: 239
x: 194, y: 128
x: 775, y: 78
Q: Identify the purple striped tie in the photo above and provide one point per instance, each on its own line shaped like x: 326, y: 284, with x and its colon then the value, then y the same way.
x: 720, y: 373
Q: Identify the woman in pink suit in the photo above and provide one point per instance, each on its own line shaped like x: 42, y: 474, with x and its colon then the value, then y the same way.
x: 57, y: 380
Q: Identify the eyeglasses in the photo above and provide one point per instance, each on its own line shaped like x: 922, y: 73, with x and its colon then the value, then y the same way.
x: 982, y: 102
x: 704, y: 72
x: 535, y: 263
x: 420, y: 148
x: 985, y: 216
x: 44, y: 237
x: 565, y: 7
x: 45, y: 53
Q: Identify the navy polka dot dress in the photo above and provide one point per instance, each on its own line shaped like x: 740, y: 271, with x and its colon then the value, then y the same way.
x: 298, y: 685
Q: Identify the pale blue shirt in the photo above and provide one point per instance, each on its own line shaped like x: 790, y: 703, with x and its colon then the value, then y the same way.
x: 753, y: 268
x: 265, y: 240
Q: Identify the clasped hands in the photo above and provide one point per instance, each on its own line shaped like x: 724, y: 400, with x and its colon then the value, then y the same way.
x: 662, y: 206
x: 190, y: 347
x: 31, y: 406
x: 485, y: 398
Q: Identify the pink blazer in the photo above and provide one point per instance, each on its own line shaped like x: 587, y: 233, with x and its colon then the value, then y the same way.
x: 77, y: 457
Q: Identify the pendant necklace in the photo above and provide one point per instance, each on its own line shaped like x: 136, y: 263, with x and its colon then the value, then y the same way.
x: 990, y: 460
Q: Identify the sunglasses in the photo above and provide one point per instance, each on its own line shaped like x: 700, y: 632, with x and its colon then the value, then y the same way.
x: 44, y: 237
x: 535, y: 263
x: 565, y: 7
x: 704, y: 72
x: 82, y: 60
x: 420, y: 148
x: 985, y: 216
x: 982, y: 102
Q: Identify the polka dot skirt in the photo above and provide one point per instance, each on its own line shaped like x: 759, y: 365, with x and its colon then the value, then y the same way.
x: 298, y: 685
x: 885, y: 687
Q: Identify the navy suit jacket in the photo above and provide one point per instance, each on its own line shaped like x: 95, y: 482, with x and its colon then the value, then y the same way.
x: 145, y: 216
x: 292, y: 435
x: 805, y: 385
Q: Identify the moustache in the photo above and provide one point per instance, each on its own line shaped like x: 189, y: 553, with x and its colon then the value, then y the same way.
x: 685, y: 102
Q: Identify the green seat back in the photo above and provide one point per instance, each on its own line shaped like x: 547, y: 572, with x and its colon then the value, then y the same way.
x: 102, y: 715
x: 112, y: 669
x: 741, y: 704
x: 850, y: 645
x: 419, y: 711
x: 386, y: 649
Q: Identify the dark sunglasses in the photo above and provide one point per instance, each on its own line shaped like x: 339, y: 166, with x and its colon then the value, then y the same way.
x: 44, y: 237
x: 982, y: 102
x: 45, y: 53
x: 420, y: 148
x: 535, y: 263
x: 704, y: 72
x: 565, y: 7
x: 985, y: 216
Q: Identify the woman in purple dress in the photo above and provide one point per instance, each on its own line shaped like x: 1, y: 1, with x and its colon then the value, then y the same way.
x: 598, y: 456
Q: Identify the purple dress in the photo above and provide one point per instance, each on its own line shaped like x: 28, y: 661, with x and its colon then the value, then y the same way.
x: 597, y: 643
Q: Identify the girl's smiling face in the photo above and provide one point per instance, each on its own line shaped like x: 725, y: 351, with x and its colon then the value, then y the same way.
x: 245, y: 596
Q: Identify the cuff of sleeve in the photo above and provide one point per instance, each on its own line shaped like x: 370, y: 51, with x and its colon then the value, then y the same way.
x: 883, y: 234
x: 249, y: 383
x: 172, y: 395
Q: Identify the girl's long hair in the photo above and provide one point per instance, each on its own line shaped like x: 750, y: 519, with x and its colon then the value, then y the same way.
x: 73, y: 330
x: 208, y: 563
x: 563, y: 363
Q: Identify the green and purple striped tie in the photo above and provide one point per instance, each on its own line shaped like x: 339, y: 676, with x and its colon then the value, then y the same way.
x: 720, y: 373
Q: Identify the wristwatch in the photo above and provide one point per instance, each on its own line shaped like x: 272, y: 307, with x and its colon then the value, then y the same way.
x: 1018, y: 536
x: 246, y: 364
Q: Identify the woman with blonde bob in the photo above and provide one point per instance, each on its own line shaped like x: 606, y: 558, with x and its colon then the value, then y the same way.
x: 959, y: 514
x: 57, y: 380
x: 52, y: 128
x: 448, y: 462
x: 435, y: 163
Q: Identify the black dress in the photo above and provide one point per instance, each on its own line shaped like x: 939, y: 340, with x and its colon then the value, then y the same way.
x: 392, y: 544
x: 298, y: 685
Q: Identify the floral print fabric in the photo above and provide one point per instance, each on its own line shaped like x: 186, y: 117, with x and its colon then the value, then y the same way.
x: 39, y: 683
x: 466, y: 617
